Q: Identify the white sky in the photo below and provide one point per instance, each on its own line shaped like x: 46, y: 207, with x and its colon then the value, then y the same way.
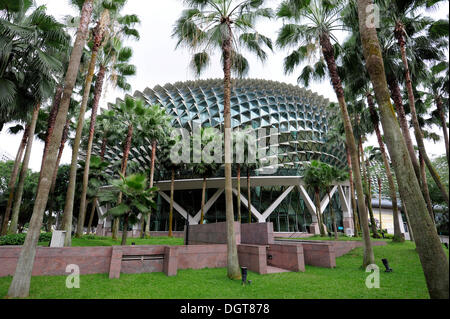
x: 158, y: 62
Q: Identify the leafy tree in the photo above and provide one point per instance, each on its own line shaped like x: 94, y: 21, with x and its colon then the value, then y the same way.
x: 137, y: 199
x: 225, y: 25
x: 431, y: 254
x: 315, y: 178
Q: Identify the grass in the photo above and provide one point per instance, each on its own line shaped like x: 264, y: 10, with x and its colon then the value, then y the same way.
x: 95, y: 241
x: 346, y: 281
x: 340, y: 238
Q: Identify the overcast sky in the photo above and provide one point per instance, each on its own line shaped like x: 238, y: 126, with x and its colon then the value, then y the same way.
x: 158, y: 62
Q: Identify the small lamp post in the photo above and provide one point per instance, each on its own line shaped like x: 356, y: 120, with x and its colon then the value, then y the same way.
x: 386, y: 265
x: 244, y: 275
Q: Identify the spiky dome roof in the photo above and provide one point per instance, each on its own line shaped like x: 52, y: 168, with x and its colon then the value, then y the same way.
x: 300, y: 115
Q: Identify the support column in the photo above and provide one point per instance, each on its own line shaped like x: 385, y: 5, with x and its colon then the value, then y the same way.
x: 347, y: 213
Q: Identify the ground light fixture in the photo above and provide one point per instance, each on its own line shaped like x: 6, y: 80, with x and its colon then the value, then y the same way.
x: 386, y: 265
x: 244, y: 275
x: 446, y: 245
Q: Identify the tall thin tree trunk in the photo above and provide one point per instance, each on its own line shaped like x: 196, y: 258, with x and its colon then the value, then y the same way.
x: 425, y: 187
x: 23, y: 173
x: 126, y: 152
x: 398, y: 102
x: 70, y: 196
x: 393, y: 193
x: 319, y: 215
x: 172, y: 185
x: 91, y: 217
x: 202, y: 214
x: 432, y: 256
x: 233, y: 271
x: 13, y: 179
x: 97, y: 94
x: 399, y: 35
x: 152, y: 177
x: 328, y: 52
x: 125, y: 230
x: 333, y: 219
x: 51, y: 121
x: 441, y: 113
x: 55, y: 172
x: 239, y: 192
x: 352, y: 194
x: 20, y: 284
x: 379, y: 203
x: 249, y: 194
x: 367, y: 191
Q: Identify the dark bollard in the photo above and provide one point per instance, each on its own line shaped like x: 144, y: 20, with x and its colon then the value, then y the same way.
x: 446, y: 245
x: 132, y: 244
x: 386, y: 265
x: 244, y: 275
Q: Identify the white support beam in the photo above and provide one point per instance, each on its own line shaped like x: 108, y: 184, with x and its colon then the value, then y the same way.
x: 178, y: 208
x: 326, y: 200
x: 346, y: 207
x: 252, y: 208
x: 208, y: 204
x: 309, y: 203
x: 277, y: 203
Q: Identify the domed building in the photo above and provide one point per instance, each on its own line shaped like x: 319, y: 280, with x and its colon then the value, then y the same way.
x: 295, y: 118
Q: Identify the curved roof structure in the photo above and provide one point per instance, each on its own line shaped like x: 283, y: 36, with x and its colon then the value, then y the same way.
x: 300, y: 115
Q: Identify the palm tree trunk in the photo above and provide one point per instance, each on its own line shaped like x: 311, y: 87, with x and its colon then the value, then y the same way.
x: 352, y: 194
x: 239, y: 192
x: 202, y: 214
x: 233, y: 271
x: 51, y: 121
x: 379, y: 203
x: 328, y: 52
x: 431, y: 254
x: 319, y: 215
x: 399, y: 34
x: 97, y: 94
x: 91, y: 217
x: 249, y: 194
x: 398, y: 102
x: 125, y: 230
x: 393, y: 193
x: 20, y: 284
x: 126, y: 152
x: 13, y: 179
x: 333, y: 219
x: 444, y: 126
x: 425, y: 188
x: 172, y: 185
x: 23, y: 173
x: 152, y: 177
x: 367, y: 191
x: 70, y: 196
x: 58, y: 160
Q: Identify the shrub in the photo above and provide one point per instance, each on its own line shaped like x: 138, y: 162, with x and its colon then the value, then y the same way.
x: 19, y: 239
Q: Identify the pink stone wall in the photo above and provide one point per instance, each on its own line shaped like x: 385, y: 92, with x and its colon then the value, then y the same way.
x: 137, y: 233
x: 288, y: 257
x: 257, y: 233
x: 253, y: 257
x: 212, y: 233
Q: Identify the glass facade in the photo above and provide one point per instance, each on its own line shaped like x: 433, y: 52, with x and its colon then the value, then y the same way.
x: 300, y: 117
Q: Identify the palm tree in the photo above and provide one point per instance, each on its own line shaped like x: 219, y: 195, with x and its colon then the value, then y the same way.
x: 137, y: 198
x: 317, y: 20
x: 431, y: 254
x: 206, y: 167
x: 113, y: 58
x: 98, y: 34
x: 225, y: 25
x: 20, y: 284
x: 402, y: 14
x: 314, y: 177
x: 129, y: 114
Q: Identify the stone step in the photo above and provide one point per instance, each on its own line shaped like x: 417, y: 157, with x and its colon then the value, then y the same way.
x: 275, y: 270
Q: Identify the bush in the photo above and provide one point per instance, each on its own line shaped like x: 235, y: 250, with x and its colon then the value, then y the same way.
x: 19, y: 239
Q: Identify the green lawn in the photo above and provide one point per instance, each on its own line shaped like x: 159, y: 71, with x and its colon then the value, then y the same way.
x: 347, y: 280
x: 342, y: 238
x: 94, y: 241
